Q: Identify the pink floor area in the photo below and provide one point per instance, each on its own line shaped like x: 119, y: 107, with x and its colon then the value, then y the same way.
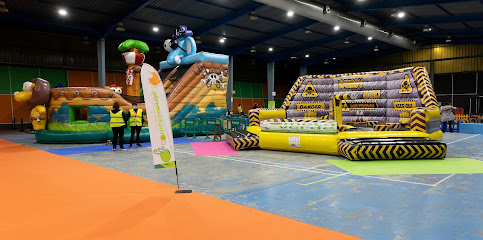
x: 212, y: 149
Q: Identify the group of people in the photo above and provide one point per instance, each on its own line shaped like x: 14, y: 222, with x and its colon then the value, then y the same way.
x: 240, y: 108
x: 119, y: 120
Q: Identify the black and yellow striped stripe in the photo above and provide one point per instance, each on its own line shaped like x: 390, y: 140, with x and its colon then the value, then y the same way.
x: 425, y: 88
x: 254, y: 117
x: 418, y: 120
x: 369, y: 152
x: 292, y: 92
x: 380, y: 127
x: 372, y: 123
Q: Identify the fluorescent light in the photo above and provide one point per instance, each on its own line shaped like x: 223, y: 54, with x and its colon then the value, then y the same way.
x: 401, y: 14
x: 222, y: 40
x: 333, y: 58
x: 156, y: 29
x: 290, y: 13
x: 306, y: 55
x: 62, y: 12
x: 336, y: 28
x: 369, y: 38
x: 270, y: 49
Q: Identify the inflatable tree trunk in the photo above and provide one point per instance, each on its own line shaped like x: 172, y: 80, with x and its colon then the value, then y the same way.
x: 133, y: 56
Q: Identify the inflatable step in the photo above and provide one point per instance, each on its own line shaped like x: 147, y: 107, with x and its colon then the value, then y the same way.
x: 241, y: 139
x: 391, y: 148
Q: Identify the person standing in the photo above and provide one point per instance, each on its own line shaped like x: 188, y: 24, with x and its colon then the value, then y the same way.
x: 240, y: 109
x: 255, y: 106
x: 136, y: 119
x: 447, y: 116
x: 118, y: 122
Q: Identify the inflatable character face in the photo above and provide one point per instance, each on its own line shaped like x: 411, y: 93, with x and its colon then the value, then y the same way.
x: 180, y: 45
x: 115, y: 89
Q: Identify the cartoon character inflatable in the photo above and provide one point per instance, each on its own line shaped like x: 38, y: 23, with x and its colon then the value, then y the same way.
x: 180, y: 45
x: 115, y: 89
x: 133, y: 56
x: 36, y: 93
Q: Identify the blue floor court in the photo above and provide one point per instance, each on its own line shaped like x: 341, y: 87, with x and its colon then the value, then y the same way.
x: 307, y: 188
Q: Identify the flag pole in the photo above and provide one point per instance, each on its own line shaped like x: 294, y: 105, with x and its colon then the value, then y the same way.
x: 177, y: 181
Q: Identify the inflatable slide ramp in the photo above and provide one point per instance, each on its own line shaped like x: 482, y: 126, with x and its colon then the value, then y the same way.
x: 391, y: 148
x: 241, y: 139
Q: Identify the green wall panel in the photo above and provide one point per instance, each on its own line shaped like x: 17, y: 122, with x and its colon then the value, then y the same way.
x: 236, y: 87
x: 257, y: 91
x: 19, y: 75
x: 245, y: 89
x: 54, y: 76
x: 4, y: 80
x: 278, y: 102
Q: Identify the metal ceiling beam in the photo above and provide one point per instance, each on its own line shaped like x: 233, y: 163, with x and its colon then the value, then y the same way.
x: 12, y: 19
x: 431, y: 20
x: 276, y: 34
x: 317, y: 11
x: 460, y: 32
x: 138, y: 6
x: 317, y: 43
x: 230, y: 17
x: 395, y: 4
x: 338, y: 53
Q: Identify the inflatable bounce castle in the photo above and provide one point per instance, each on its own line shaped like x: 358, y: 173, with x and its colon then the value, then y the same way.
x: 195, y: 83
x: 370, y: 115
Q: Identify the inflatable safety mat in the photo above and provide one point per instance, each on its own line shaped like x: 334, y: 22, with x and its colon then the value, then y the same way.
x: 241, y: 139
x: 391, y: 148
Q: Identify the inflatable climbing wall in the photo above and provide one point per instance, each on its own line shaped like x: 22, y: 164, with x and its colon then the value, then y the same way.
x: 383, y: 96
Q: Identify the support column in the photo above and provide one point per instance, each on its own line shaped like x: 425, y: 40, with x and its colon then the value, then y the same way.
x: 303, y: 70
x: 229, y: 88
x: 270, y: 80
x: 101, y: 61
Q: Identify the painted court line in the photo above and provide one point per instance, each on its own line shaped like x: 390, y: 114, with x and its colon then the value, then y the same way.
x: 463, y: 139
x: 322, y: 179
x: 442, y: 180
x: 266, y: 164
x: 396, y: 180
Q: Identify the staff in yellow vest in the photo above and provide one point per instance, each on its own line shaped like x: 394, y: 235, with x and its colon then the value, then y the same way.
x: 136, y: 118
x: 118, y: 122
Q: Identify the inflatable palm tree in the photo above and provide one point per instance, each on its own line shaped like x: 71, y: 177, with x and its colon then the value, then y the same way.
x: 133, y: 56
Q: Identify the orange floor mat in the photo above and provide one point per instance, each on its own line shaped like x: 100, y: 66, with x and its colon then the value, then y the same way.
x: 47, y: 196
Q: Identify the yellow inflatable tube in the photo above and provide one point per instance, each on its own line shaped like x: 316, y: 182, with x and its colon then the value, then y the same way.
x: 325, y: 143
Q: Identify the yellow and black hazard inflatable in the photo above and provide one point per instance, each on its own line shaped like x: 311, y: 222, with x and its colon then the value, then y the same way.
x: 391, y: 148
x: 241, y: 139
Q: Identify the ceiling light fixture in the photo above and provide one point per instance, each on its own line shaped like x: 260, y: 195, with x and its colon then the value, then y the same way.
x: 427, y: 28
x: 253, y: 16
x: 155, y: 29
x: 63, y: 12
x: 307, y: 30
x: 369, y: 38
x: 333, y: 58
x: 198, y: 40
x: 293, y: 57
x: 401, y: 14
x: 290, y: 13
x: 326, y: 61
x: 270, y: 49
x: 253, y: 50
x: 120, y: 27
x: 3, y: 7
x: 222, y: 40
x: 86, y: 41
x: 347, y: 41
x: 336, y: 28
x: 307, y: 55
x: 448, y: 39
x: 376, y: 49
